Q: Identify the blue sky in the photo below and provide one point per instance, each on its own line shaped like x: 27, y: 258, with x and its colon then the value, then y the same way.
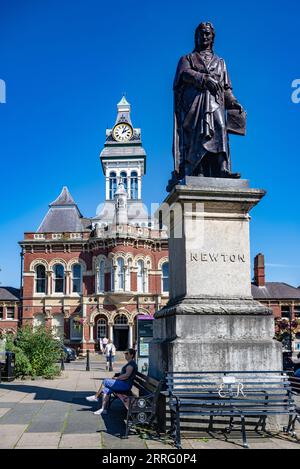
x: 66, y: 63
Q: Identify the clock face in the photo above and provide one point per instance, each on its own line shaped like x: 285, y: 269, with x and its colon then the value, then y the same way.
x: 122, y: 132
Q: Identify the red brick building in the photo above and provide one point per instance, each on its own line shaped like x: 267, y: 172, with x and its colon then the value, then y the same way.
x: 9, y: 309
x: 283, y: 299
x: 90, y: 277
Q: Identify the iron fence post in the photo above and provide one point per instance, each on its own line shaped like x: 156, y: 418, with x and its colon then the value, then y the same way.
x: 110, y: 361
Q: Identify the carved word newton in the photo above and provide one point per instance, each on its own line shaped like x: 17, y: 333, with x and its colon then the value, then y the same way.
x: 212, y: 257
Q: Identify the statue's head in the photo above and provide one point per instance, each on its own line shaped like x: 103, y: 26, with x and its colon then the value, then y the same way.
x: 204, y: 36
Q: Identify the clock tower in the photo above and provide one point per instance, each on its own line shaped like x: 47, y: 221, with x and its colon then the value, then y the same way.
x: 123, y: 158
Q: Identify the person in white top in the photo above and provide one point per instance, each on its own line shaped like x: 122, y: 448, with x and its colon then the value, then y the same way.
x: 104, y: 343
x: 110, y: 350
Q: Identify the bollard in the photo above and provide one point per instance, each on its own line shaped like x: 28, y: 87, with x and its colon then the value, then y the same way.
x: 62, y: 364
x: 87, y: 361
x: 110, y: 362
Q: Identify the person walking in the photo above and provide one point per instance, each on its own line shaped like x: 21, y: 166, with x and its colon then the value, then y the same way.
x: 104, y: 343
x: 119, y: 383
x: 100, y: 345
x: 110, y: 352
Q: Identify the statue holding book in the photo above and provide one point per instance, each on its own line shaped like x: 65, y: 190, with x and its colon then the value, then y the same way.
x: 205, y: 111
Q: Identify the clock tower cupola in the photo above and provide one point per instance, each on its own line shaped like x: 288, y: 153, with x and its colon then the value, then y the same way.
x: 123, y: 158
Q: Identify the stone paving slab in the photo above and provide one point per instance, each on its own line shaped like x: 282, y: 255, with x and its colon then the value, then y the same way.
x: 82, y: 420
x: 21, y: 414
x: 35, y: 447
x: 81, y: 441
x: 39, y: 440
x: 51, y: 418
x: 154, y: 444
x: 10, y: 434
x: 114, y: 442
x: 13, y: 396
x: 254, y: 443
x: 4, y: 410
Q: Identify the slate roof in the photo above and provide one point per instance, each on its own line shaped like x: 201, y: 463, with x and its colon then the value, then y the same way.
x: 63, y: 216
x: 9, y: 293
x: 275, y: 291
x: 64, y: 198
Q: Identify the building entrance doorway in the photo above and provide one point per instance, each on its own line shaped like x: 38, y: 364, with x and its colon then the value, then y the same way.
x: 121, y: 338
x: 121, y: 331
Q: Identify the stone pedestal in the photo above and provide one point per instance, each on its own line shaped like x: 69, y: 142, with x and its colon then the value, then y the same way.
x: 211, y: 322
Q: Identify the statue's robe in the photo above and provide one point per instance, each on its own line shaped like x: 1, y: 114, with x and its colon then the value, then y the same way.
x: 200, y: 117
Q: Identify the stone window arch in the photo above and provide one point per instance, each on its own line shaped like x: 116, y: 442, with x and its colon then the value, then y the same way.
x: 101, y: 328
x: 38, y: 262
x: 121, y: 318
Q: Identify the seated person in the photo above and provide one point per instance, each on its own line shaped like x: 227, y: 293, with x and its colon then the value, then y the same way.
x: 121, y: 382
x: 296, y: 362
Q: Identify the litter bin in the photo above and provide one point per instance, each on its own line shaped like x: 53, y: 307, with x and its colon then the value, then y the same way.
x: 2, y: 362
x: 8, y: 372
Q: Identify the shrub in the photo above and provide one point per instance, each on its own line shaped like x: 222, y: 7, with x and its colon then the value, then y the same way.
x: 37, y: 352
x: 22, y: 363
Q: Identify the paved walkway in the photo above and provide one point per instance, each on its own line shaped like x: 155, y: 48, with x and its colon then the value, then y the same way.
x: 54, y: 414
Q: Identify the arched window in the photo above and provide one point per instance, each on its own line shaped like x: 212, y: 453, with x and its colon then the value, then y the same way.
x: 121, y: 319
x: 101, y: 277
x: 128, y: 277
x: 123, y: 180
x: 112, y: 277
x: 112, y: 185
x: 76, y: 279
x: 40, y: 279
x: 59, y: 278
x: 58, y: 326
x: 141, y: 277
x: 75, y: 331
x: 134, y: 185
x: 165, y: 277
x: 120, y: 274
x: 38, y: 320
x: 101, y: 328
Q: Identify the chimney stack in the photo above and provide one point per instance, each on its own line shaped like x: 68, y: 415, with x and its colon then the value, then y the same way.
x: 259, y: 270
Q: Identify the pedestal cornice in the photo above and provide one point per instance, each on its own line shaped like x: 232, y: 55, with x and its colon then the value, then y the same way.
x: 203, y: 305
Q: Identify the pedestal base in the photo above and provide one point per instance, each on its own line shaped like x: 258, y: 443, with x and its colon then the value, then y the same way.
x: 211, y: 322
x: 202, y: 335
